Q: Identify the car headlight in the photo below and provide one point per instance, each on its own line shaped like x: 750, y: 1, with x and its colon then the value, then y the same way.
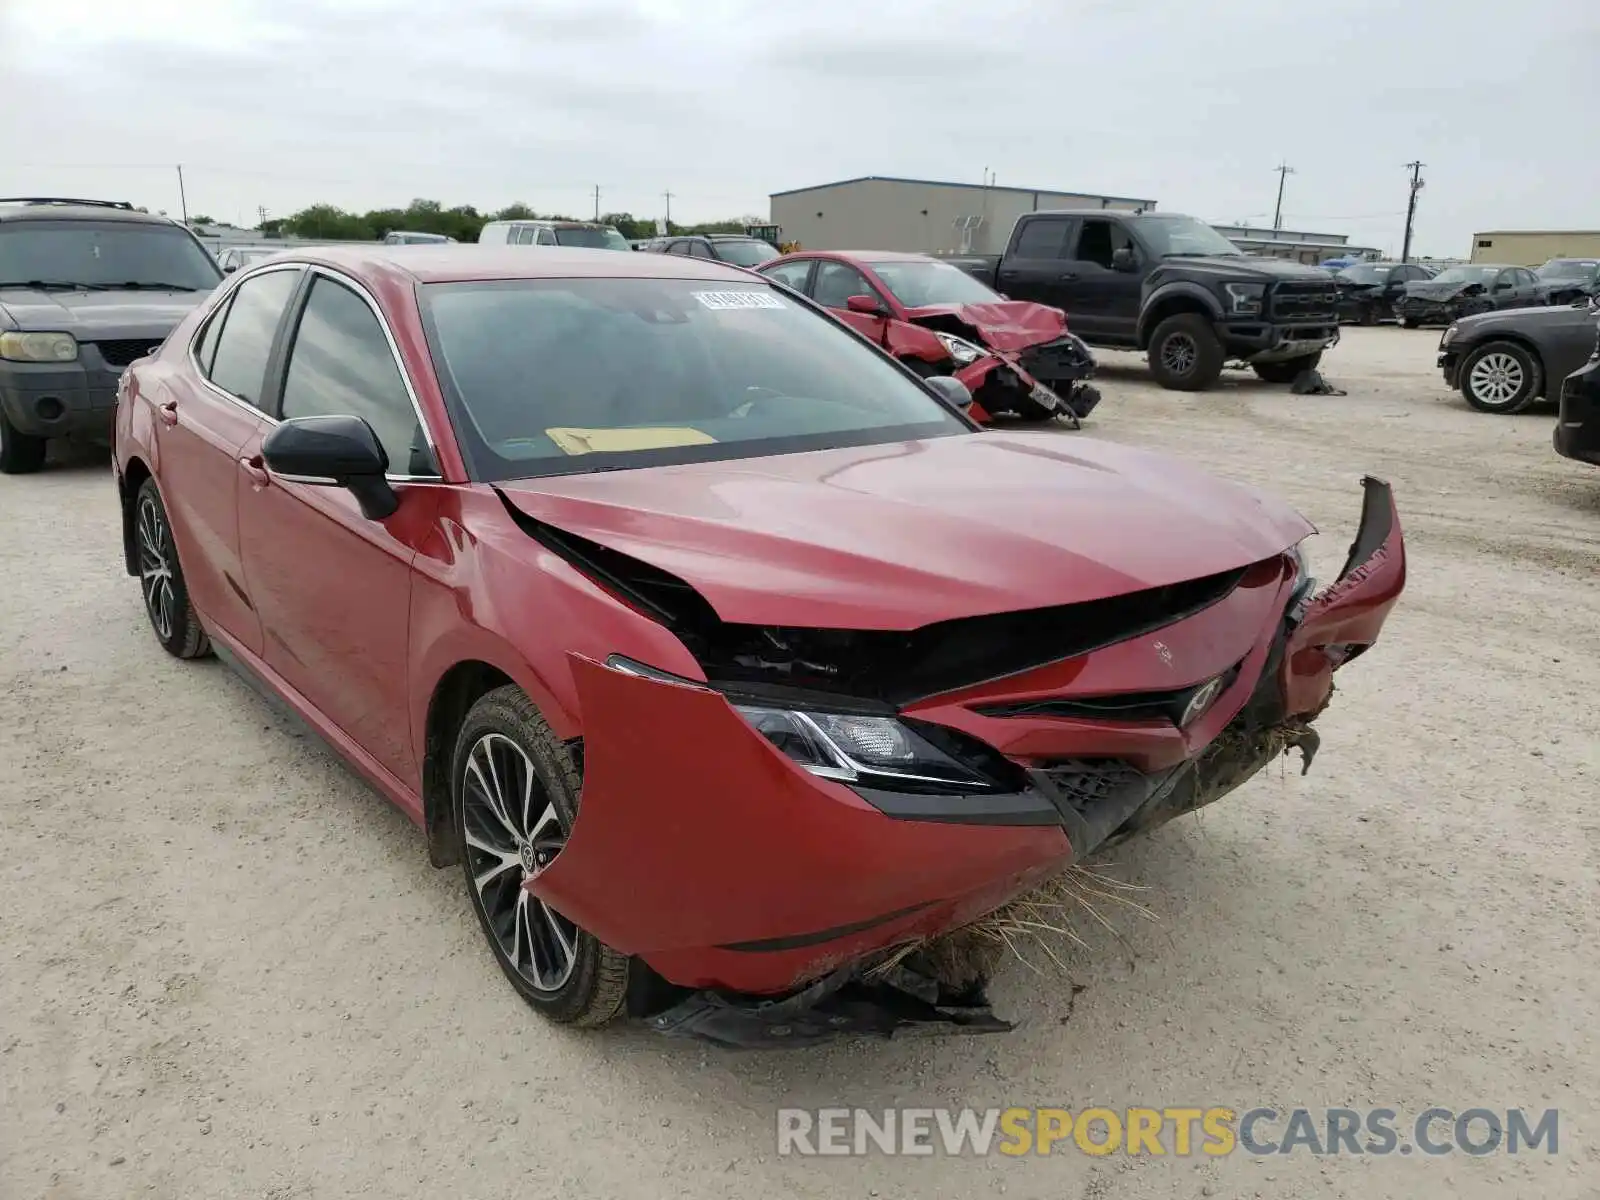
x: 1449, y: 335
x: 882, y: 751
x: 962, y: 351
x: 874, y: 751
x: 38, y: 347
x: 1244, y: 299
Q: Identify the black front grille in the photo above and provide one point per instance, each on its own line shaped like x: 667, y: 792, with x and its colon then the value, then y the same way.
x: 1311, y: 301
x: 1087, y: 783
x: 119, y: 352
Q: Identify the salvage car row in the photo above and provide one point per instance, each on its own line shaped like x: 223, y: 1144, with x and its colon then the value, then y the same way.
x: 724, y: 655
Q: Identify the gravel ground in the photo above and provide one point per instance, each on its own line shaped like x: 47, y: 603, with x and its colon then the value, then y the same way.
x: 226, y: 968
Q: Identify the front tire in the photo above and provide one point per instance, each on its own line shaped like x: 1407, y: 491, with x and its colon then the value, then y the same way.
x: 515, y: 787
x: 20, y: 453
x: 1410, y: 323
x: 161, y: 582
x: 1185, y: 355
x: 1500, y: 377
x: 1286, y: 370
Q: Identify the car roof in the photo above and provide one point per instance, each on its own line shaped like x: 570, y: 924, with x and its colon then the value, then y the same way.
x: 79, y: 212
x: 462, y: 263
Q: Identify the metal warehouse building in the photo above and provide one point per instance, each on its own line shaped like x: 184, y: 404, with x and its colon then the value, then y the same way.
x: 876, y: 212
x: 1534, y: 247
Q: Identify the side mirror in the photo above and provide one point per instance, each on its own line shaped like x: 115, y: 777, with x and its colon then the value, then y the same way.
x: 333, y: 452
x: 1123, y: 260
x: 230, y: 268
x: 951, y: 389
x: 866, y: 305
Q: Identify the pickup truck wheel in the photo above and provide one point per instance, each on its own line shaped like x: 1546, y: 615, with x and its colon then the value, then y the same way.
x: 20, y: 453
x: 1285, y: 370
x: 1500, y: 377
x: 1409, y: 323
x: 1185, y: 355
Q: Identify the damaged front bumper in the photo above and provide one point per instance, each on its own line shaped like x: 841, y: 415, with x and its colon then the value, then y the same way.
x: 776, y: 897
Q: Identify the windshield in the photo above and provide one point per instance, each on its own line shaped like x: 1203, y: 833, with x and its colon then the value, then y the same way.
x: 750, y: 253
x: 1568, y: 268
x: 593, y: 238
x: 1365, y: 273
x: 104, y: 255
x: 916, y: 283
x: 559, y: 376
x: 1173, y: 236
x: 1467, y: 275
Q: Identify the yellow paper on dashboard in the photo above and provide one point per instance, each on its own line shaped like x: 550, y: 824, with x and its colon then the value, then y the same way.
x: 603, y: 441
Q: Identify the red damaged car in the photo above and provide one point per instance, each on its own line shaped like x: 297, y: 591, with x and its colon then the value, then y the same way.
x: 939, y: 320
x: 718, y: 650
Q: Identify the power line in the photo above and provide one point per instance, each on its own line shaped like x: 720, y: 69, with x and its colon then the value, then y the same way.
x: 1411, y: 207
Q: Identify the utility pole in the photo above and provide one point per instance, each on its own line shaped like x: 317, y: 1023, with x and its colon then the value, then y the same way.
x: 597, y: 202
x: 1284, y: 170
x: 261, y: 211
x: 1411, y: 207
x: 668, y: 196
x: 182, y: 199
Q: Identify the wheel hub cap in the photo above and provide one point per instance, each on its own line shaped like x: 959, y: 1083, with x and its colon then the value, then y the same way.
x: 513, y: 832
x: 1496, y: 378
x: 1178, y: 355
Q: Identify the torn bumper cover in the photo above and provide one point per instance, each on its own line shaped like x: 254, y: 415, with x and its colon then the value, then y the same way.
x: 778, y: 895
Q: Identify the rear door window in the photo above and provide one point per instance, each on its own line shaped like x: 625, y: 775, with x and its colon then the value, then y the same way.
x: 239, y: 358
x: 1045, y: 237
x: 791, y: 274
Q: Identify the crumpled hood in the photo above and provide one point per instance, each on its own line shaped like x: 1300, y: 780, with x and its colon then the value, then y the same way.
x: 1428, y: 290
x: 91, y: 315
x: 898, y: 536
x: 1002, y: 324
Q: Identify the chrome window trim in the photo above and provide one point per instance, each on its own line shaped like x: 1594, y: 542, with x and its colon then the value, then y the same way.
x: 366, y: 296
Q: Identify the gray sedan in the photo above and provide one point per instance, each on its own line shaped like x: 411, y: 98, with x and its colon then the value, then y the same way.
x: 1505, y: 361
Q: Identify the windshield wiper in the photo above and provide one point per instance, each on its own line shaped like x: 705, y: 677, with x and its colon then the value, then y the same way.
x: 54, y: 285
x: 135, y: 285
x: 1201, y: 254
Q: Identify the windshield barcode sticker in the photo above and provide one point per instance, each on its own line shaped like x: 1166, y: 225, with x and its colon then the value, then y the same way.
x: 747, y: 299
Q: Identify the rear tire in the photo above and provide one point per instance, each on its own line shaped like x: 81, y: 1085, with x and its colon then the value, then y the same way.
x: 20, y: 453
x: 503, y: 748
x: 1285, y: 371
x: 1185, y: 355
x: 161, y: 582
x: 1408, y: 323
x: 1500, y: 377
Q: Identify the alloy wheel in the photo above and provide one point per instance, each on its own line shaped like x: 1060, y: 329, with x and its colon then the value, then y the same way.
x: 1496, y: 378
x: 513, y: 832
x: 155, y: 567
x: 1179, y: 354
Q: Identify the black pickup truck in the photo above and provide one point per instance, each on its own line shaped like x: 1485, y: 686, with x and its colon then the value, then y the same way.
x: 1170, y: 285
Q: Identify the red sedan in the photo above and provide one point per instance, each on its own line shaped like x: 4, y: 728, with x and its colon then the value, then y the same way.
x: 939, y: 320
x: 706, y: 638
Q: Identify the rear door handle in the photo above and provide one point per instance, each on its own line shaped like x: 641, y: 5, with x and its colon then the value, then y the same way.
x: 168, y: 413
x: 1067, y: 275
x: 256, y: 469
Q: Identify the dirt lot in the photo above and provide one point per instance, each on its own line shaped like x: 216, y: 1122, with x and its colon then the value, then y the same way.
x: 226, y: 968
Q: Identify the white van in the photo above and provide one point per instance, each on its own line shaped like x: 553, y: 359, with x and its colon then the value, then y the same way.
x: 552, y: 233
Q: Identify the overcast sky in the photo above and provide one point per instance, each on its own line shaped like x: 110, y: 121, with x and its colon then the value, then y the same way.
x: 368, y: 103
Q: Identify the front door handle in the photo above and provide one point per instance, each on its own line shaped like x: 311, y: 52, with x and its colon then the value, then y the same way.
x: 1065, y: 276
x: 168, y: 413
x: 254, y: 467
